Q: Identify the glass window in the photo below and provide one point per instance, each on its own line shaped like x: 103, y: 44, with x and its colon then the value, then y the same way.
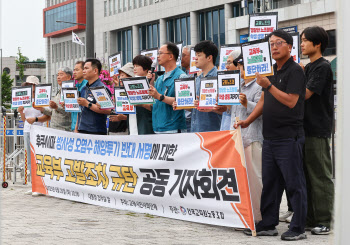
x: 105, y: 36
x: 64, y: 50
x: 125, y: 45
x: 149, y: 36
x: 110, y: 7
x: 66, y: 12
x: 115, y: 6
x: 212, y: 26
x: 331, y: 49
x: 120, y: 5
x: 135, y: 4
x: 237, y: 10
x: 178, y: 30
x: 140, y: 3
x: 105, y: 8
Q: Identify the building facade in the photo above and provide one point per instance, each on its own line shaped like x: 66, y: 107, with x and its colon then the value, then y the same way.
x: 31, y: 68
x: 129, y: 26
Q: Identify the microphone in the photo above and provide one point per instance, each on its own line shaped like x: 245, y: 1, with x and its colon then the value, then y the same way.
x: 153, y: 67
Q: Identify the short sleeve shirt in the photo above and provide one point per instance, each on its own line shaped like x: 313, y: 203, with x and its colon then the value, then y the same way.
x: 280, y: 121
x: 319, y: 107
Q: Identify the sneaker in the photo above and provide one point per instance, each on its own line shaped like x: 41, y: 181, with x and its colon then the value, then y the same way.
x: 36, y: 194
x: 320, y: 230
x: 289, y: 219
x: 284, y: 216
x: 293, y: 236
x: 28, y: 193
x: 273, y: 232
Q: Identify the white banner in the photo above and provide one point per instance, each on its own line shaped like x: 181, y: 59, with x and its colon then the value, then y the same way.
x: 181, y: 176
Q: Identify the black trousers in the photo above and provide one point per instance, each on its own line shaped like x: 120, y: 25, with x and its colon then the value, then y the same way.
x: 282, y: 168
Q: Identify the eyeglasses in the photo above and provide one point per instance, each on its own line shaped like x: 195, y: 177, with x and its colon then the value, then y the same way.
x: 229, y: 63
x: 277, y: 44
x: 160, y: 53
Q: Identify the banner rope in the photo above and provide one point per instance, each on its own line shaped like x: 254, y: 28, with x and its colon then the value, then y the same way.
x: 4, y: 148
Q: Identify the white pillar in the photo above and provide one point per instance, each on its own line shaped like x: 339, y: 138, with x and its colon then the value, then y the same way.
x: 162, y: 32
x: 194, y: 28
x: 342, y: 166
x: 228, y: 15
x: 135, y: 41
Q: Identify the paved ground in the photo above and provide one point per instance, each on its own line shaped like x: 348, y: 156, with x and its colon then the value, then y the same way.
x: 48, y: 220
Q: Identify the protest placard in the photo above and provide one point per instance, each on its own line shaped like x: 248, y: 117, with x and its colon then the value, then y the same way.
x: 21, y: 96
x: 197, y: 177
x: 70, y: 98
x: 225, y: 50
x: 262, y: 24
x: 122, y: 104
x: 66, y: 84
x: 102, y: 97
x: 185, y: 94
x: 42, y: 95
x: 295, y: 53
x: 229, y: 87
x: 257, y: 58
x: 152, y: 53
x: 208, y: 92
x: 115, y: 63
x: 137, y: 90
x: 193, y: 68
x: 179, y: 46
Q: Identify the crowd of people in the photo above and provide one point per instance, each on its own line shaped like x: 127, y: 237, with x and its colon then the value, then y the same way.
x: 286, y: 122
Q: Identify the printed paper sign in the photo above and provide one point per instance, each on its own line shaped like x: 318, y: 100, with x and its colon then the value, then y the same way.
x: 42, y: 95
x: 185, y: 93
x: 180, y: 46
x: 70, y: 96
x: 115, y: 64
x: 257, y: 58
x: 225, y: 50
x: 102, y: 97
x: 137, y: 90
x: 193, y: 68
x: 197, y: 177
x: 262, y: 24
x: 122, y: 105
x: 229, y: 87
x: 208, y: 92
x: 21, y: 96
x: 152, y: 54
x: 66, y: 84
x: 295, y: 53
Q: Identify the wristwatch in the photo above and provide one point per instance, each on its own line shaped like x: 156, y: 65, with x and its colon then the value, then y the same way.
x: 36, y: 119
x: 161, y: 97
x: 90, y: 104
x: 268, y: 87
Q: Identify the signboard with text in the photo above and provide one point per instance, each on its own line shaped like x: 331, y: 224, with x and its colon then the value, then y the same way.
x: 193, y: 68
x: 178, y: 176
x: 70, y: 97
x: 257, y: 58
x: 21, y: 96
x: 102, y: 97
x: 152, y: 54
x: 225, y: 50
x: 229, y: 87
x: 262, y: 24
x: 122, y: 104
x: 42, y: 95
x: 208, y: 93
x: 115, y: 63
x: 137, y: 90
x: 185, y: 94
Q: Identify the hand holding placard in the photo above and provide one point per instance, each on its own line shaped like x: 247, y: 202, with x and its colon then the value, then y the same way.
x: 262, y: 81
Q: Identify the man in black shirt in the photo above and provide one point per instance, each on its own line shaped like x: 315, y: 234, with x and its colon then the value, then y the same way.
x: 318, y: 126
x: 282, y: 107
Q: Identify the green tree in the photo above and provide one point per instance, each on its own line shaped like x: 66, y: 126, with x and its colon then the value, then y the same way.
x: 6, y: 88
x: 20, y: 63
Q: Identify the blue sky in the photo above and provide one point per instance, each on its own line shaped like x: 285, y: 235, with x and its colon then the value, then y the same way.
x: 22, y: 26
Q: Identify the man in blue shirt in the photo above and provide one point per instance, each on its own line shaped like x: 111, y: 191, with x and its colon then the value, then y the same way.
x: 91, y: 119
x: 80, y: 83
x: 164, y: 119
x: 205, y: 120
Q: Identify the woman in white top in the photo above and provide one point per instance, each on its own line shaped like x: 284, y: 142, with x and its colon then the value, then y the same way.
x: 31, y: 116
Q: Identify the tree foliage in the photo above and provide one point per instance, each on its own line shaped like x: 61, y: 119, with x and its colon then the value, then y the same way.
x: 20, y: 63
x: 6, y: 88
